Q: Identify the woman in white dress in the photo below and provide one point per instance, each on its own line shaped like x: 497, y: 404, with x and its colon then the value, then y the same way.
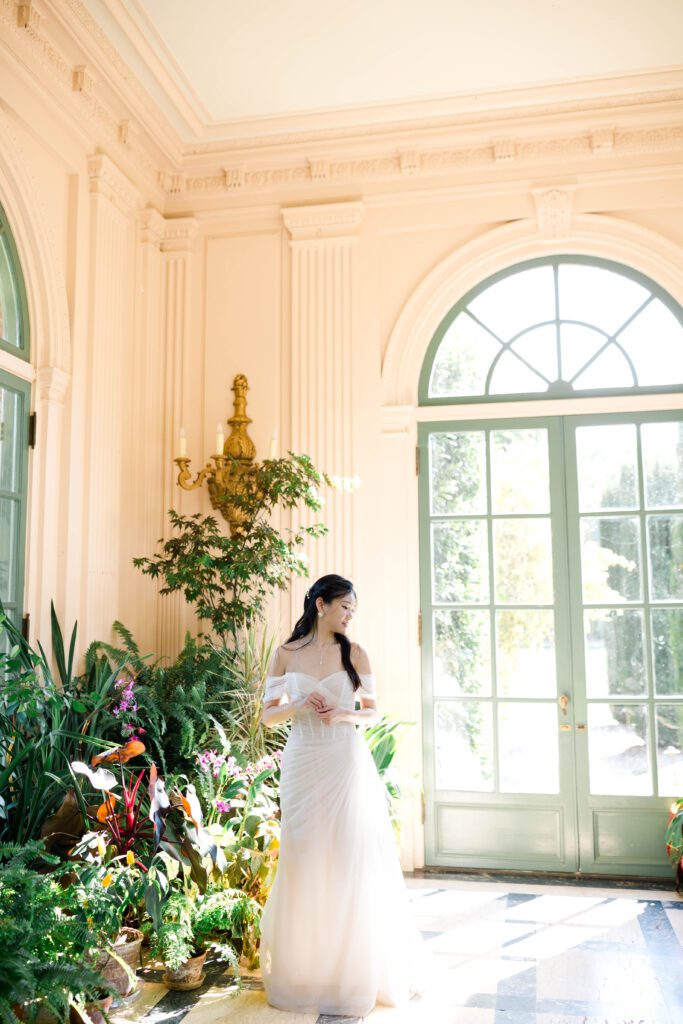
x: 337, y: 935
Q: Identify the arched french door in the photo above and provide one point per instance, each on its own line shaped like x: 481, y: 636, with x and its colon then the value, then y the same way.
x: 552, y: 579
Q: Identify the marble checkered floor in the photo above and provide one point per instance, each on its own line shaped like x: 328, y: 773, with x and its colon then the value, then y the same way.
x: 503, y: 954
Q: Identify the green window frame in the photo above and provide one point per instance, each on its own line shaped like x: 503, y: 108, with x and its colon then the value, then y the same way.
x: 546, y: 355
x: 14, y: 323
x: 14, y: 438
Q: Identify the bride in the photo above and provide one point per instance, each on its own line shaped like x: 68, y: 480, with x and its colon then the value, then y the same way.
x: 337, y: 936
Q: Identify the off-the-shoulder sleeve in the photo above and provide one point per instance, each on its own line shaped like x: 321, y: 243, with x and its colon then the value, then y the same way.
x: 275, y: 688
x: 367, y: 685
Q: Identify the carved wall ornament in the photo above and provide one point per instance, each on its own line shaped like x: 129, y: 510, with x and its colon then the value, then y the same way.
x: 81, y: 80
x: 554, y: 210
x: 171, y: 182
x: 107, y: 180
x: 602, y: 140
x: 319, y: 169
x: 409, y: 161
x: 504, y: 151
x: 325, y: 220
x: 233, y: 178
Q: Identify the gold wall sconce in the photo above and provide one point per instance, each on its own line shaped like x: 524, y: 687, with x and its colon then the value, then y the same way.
x: 233, y: 464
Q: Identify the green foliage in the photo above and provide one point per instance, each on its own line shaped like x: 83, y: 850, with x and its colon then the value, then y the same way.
x: 381, y: 739
x: 245, y: 670
x: 176, y: 704
x: 44, y: 724
x: 229, y: 578
x: 224, y: 920
x: 43, y: 951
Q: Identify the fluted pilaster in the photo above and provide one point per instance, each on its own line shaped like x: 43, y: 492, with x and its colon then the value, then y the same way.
x: 112, y: 250
x: 177, y: 248
x: 324, y: 365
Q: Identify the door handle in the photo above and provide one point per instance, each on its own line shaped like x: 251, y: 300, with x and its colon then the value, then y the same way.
x: 563, y: 701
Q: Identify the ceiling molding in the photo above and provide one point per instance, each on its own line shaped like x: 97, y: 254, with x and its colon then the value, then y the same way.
x: 598, y: 146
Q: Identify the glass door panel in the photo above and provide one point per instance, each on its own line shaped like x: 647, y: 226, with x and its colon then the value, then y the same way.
x: 493, y: 544
x: 14, y: 398
x: 626, y: 503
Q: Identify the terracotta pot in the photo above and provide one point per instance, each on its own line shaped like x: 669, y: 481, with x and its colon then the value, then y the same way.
x: 127, y: 948
x: 95, y: 1011
x: 188, y: 976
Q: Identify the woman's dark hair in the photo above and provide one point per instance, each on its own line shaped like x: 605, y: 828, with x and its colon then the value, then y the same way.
x: 327, y: 587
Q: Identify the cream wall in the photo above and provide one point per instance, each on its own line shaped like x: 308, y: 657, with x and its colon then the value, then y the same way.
x: 151, y: 288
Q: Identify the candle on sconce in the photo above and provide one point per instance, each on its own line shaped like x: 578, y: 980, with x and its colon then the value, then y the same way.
x: 182, y: 444
x: 220, y: 439
x: 273, y: 446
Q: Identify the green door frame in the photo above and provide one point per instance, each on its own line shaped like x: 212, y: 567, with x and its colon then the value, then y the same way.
x: 597, y: 834
x: 550, y: 839
x: 15, y: 606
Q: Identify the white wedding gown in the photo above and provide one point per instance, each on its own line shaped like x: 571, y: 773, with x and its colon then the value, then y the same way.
x: 336, y: 936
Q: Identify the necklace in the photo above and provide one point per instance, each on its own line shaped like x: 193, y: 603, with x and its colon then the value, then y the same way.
x: 330, y: 643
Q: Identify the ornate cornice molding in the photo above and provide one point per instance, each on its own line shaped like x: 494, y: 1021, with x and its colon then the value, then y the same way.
x: 592, y: 145
x: 108, y: 181
x: 326, y: 220
x: 179, y: 234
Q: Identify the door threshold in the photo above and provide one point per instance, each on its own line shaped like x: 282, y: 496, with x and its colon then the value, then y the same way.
x: 546, y: 877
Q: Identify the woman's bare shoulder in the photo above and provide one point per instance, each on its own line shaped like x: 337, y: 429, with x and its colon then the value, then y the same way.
x: 360, y: 659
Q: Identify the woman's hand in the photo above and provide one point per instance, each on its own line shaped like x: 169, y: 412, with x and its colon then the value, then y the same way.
x: 314, y: 702
x: 332, y: 715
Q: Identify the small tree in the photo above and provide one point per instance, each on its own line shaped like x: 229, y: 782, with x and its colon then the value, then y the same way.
x: 229, y: 577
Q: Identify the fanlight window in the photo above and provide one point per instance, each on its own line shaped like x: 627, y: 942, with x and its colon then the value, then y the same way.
x: 13, y: 312
x: 557, y: 327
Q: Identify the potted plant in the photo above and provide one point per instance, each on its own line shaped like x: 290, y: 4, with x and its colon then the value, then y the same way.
x: 44, y: 951
x: 195, y: 923
x: 674, y: 840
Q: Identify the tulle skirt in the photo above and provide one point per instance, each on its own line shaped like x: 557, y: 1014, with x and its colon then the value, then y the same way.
x: 337, y: 934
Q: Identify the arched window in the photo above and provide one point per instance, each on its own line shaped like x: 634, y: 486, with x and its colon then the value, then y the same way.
x: 556, y: 327
x: 13, y: 312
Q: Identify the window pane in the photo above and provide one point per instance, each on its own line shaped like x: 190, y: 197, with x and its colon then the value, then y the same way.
x: 667, y: 643
x: 463, y: 733
x: 615, y: 662
x: 669, y: 719
x: 610, y: 559
x: 11, y: 406
x: 457, y: 473
x: 618, y: 745
x: 514, y: 302
x: 665, y: 544
x: 579, y: 344
x: 9, y: 526
x: 463, y: 359
x: 523, y: 561
x: 539, y: 347
x: 654, y: 341
x: 526, y: 767
x: 460, y: 560
x: 663, y: 464
x: 9, y: 309
x: 462, y: 652
x: 512, y: 376
x: 598, y: 296
x: 607, y: 466
x: 519, y: 471
x: 525, y: 653
x: 609, y: 370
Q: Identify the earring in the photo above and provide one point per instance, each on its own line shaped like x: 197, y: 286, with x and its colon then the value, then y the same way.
x: 320, y: 615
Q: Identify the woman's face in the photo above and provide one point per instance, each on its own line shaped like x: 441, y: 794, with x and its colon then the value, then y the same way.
x: 339, y: 612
